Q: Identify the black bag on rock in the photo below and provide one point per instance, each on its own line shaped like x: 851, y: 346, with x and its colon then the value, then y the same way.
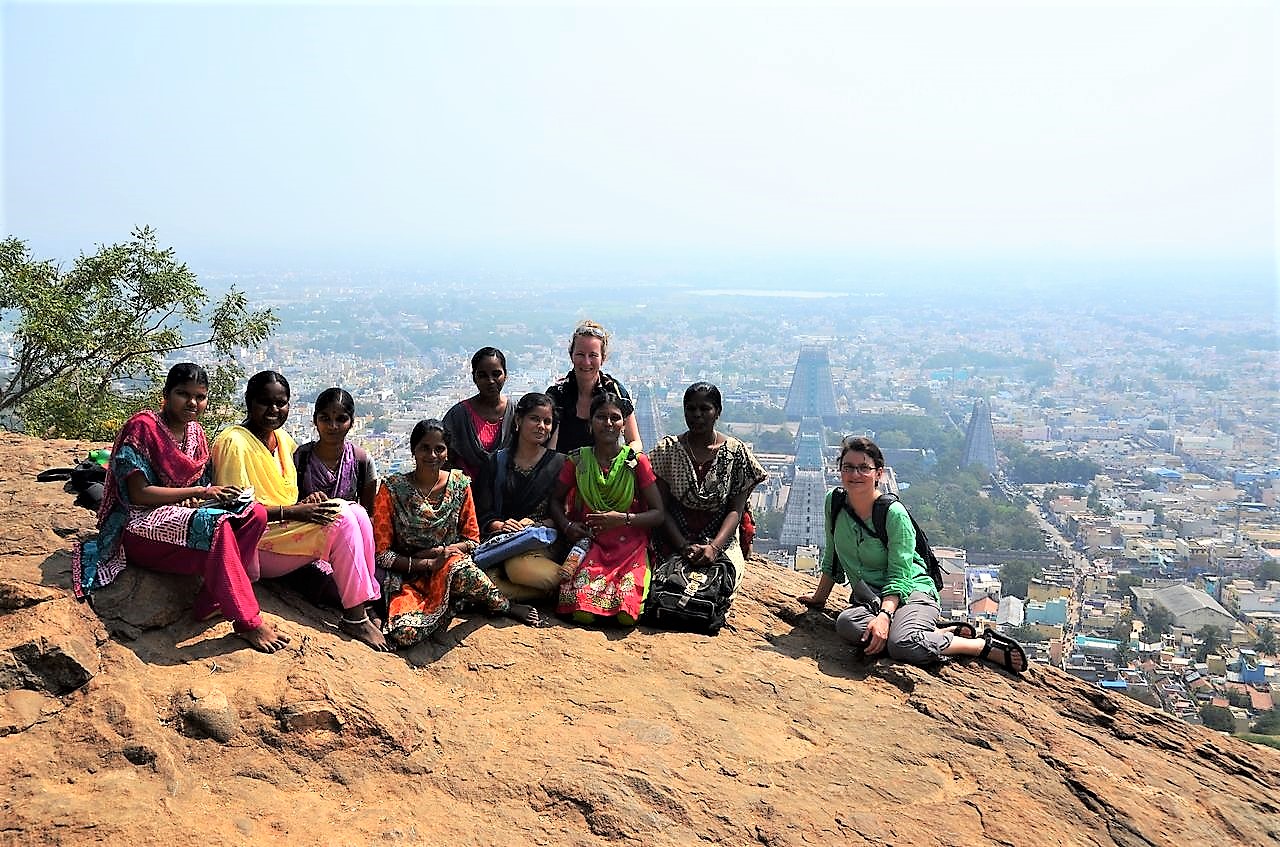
x: 85, y: 480
x: 688, y: 597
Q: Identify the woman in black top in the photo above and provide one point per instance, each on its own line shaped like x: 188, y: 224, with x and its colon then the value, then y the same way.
x: 572, y: 395
x: 520, y: 478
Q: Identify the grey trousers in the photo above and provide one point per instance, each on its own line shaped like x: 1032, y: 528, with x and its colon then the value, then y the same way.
x: 913, y: 633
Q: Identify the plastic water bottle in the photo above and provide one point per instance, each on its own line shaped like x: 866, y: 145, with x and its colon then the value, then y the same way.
x: 576, y: 554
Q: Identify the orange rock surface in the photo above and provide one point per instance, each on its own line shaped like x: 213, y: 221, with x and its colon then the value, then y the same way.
x: 135, y: 725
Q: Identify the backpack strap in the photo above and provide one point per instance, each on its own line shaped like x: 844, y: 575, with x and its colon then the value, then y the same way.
x: 839, y: 500
x: 880, y: 516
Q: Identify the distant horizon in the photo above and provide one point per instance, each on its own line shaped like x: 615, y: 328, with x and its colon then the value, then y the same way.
x: 690, y: 267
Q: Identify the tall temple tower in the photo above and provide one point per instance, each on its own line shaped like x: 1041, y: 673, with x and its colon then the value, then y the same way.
x: 803, y: 521
x: 980, y: 438
x: 812, y: 394
x: 647, y: 418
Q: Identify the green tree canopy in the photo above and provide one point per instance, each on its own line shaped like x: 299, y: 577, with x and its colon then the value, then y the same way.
x: 892, y: 439
x: 1125, y: 581
x: 1122, y: 630
x: 1218, y: 717
x: 923, y: 397
x: 1029, y: 466
x: 1026, y: 633
x: 1015, y: 577
x: 90, y: 343
x: 1269, y: 571
x: 1266, y: 643
x: 1268, y: 723
x: 1159, y: 619
x: 1211, y: 639
x: 770, y: 524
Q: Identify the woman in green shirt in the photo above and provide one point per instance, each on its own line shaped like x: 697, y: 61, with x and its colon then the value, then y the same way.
x: 896, y: 605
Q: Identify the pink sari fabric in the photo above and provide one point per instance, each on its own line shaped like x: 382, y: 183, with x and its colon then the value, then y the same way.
x: 614, y: 575
x: 146, y: 445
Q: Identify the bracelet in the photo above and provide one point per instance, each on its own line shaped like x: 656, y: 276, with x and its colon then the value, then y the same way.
x: 628, y: 519
x: 885, y: 611
x: 409, y: 571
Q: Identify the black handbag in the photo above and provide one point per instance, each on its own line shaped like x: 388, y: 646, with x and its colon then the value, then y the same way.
x: 691, y: 598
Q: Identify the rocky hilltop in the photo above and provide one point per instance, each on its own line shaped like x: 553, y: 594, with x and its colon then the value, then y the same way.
x: 136, y: 725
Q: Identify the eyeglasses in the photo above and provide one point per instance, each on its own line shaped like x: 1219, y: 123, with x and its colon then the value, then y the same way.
x: 860, y: 470
x: 590, y: 330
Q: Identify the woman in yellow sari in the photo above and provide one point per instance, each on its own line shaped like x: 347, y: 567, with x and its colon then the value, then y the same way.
x: 258, y: 453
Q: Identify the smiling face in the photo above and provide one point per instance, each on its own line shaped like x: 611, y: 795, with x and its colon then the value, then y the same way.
x: 587, y: 357
x: 186, y: 401
x: 606, y: 424
x: 269, y: 408
x: 333, y: 422
x: 858, y: 471
x: 535, y: 426
x: 430, y: 453
x: 489, y: 376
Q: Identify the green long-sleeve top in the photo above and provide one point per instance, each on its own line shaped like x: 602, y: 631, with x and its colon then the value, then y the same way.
x: 896, y: 570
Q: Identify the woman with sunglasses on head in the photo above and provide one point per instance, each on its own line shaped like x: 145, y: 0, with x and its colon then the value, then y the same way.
x: 425, y: 529
x: 898, y: 606
x: 160, y: 512
x: 482, y: 423
x: 705, y: 478
x: 574, y: 393
x: 258, y: 454
x: 607, y: 495
x: 521, y: 477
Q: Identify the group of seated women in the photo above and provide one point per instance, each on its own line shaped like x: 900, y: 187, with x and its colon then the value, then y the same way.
x: 399, y: 550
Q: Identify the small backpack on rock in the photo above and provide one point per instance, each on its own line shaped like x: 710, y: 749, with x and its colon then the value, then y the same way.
x: 85, y: 480
x: 690, y: 598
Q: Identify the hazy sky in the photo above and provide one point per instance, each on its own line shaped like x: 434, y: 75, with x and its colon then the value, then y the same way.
x: 247, y: 132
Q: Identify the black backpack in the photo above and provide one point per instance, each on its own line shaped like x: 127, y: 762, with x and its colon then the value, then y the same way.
x: 689, y: 598
x: 879, y: 516
x: 85, y: 480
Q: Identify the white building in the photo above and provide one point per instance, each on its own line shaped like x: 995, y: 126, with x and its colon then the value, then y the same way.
x: 1012, y: 611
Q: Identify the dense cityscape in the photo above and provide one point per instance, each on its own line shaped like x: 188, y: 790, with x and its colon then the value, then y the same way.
x: 1098, y: 474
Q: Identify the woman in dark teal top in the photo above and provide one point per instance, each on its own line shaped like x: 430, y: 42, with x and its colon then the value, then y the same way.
x: 896, y: 605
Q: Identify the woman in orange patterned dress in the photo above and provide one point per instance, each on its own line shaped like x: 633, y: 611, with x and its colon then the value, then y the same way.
x: 424, y: 530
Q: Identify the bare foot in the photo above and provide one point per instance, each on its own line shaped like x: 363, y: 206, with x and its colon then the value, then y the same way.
x: 264, y: 638
x: 525, y: 614
x: 365, y: 631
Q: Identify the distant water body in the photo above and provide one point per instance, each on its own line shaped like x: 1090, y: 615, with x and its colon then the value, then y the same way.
x: 768, y: 292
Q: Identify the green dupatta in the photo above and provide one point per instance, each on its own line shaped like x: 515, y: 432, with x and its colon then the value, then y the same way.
x: 606, y: 493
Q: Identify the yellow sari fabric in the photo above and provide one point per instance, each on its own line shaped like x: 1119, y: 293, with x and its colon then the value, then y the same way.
x: 240, y: 459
